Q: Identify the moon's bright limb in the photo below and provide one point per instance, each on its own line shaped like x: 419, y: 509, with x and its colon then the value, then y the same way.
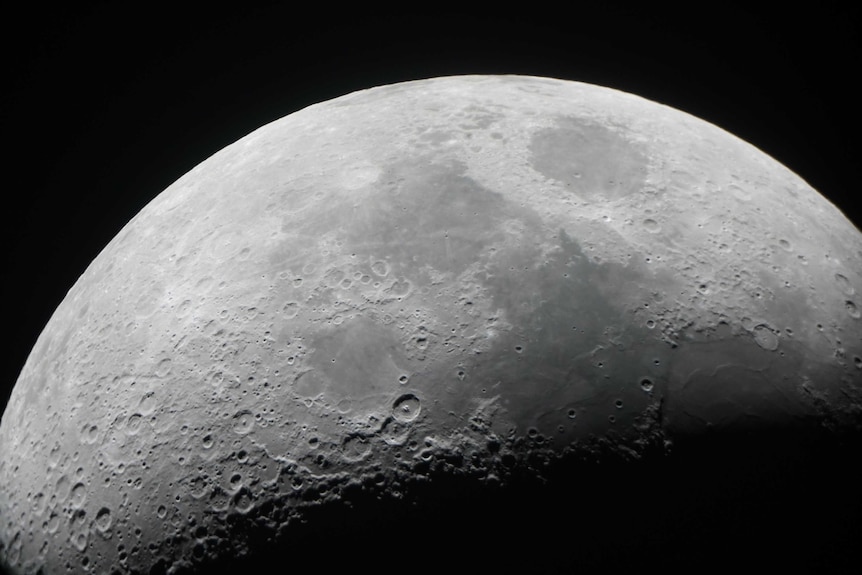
x: 464, y: 279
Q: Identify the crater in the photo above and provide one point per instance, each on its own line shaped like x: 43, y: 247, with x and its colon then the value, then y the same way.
x: 765, y: 337
x: 406, y: 408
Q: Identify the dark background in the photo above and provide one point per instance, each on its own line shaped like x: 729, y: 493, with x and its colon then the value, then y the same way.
x: 104, y: 105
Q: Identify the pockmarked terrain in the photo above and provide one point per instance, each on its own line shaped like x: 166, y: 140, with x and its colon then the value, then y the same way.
x: 465, y: 283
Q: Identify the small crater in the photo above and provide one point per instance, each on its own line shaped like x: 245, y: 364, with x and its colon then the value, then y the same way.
x: 572, y: 414
x: 355, y: 448
x: 62, y: 488
x: 207, y: 441
x: 400, y: 288
x: 78, y: 495
x: 39, y: 502
x: 79, y: 540
x: 243, y: 501
x: 852, y: 310
x: 857, y: 361
x: 148, y: 403
x: 844, y: 284
x: 394, y: 432
x: 161, y: 512
x: 163, y: 368
x: 133, y: 425
x: 216, y: 379
x: 90, y: 433
x: 651, y: 226
x: 103, y: 519
x: 290, y: 309
x: 765, y: 337
x: 219, y: 499
x: 647, y: 384
x: 406, y: 408
x: 243, y: 422
x: 52, y: 525
x: 380, y: 268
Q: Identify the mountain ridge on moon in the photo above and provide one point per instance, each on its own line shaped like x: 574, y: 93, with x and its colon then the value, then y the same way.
x: 460, y: 284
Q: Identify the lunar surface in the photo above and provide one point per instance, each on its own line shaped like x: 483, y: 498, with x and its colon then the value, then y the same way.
x: 456, y: 285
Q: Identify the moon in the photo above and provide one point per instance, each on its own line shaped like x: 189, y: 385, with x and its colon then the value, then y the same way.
x: 459, y: 285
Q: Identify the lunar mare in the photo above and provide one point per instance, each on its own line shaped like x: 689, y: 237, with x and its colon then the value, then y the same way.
x: 469, y: 277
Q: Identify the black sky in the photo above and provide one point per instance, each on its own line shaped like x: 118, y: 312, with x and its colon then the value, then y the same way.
x: 104, y: 105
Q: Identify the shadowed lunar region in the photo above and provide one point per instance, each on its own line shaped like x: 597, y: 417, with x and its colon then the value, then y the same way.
x: 501, y: 323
